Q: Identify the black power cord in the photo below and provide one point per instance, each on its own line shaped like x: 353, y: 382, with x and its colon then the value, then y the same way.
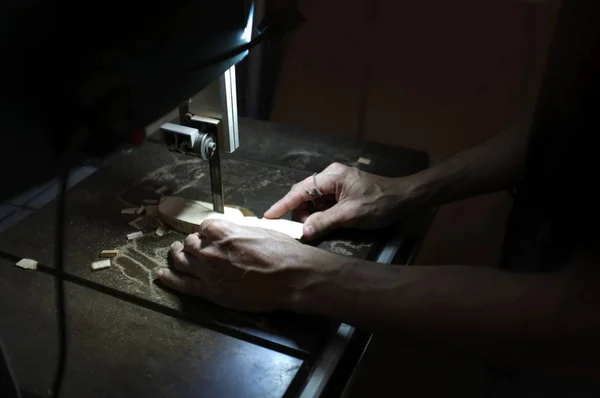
x: 59, y: 284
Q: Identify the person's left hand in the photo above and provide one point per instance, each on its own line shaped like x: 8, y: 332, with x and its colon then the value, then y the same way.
x: 243, y: 268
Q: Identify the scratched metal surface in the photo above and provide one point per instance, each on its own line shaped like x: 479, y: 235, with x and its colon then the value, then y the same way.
x: 95, y: 223
x: 310, y: 151
x: 118, y: 349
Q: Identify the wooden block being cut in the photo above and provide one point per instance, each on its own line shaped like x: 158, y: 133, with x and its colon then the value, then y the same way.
x: 109, y: 253
x: 290, y: 228
x: 186, y: 215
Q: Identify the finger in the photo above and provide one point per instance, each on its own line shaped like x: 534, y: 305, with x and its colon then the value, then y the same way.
x: 302, y: 212
x: 317, y: 224
x: 182, y: 283
x: 299, y: 194
x: 214, y: 229
x: 301, y: 215
x: 176, y: 247
x: 192, y: 243
x: 294, y: 198
x: 186, y: 262
x: 304, y: 206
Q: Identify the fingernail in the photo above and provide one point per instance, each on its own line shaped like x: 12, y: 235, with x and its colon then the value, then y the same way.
x: 309, y: 231
x: 160, y: 272
x: 173, y: 245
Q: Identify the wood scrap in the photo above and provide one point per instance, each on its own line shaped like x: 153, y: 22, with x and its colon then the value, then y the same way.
x: 109, y: 253
x: 365, y: 161
x: 291, y: 228
x: 140, y: 210
x: 135, y: 235
x: 129, y: 211
x: 27, y: 263
x: 102, y: 264
x: 160, y: 231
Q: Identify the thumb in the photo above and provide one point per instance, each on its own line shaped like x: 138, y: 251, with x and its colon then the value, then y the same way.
x: 325, y: 221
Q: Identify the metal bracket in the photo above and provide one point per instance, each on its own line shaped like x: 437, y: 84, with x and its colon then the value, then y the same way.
x: 219, y: 102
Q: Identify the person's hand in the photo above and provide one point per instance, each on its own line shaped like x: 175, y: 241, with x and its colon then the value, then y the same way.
x: 238, y: 267
x: 352, y: 198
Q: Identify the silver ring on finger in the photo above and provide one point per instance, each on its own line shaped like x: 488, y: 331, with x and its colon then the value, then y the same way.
x: 314, y: 192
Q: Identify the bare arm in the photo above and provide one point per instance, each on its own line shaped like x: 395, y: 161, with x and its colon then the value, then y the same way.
x: 493, y: 165
x: 486, y: 313
x: 363, y: 200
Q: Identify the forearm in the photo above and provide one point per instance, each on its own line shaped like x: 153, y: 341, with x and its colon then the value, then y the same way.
x: 476, y: 311
x: 493, y: 165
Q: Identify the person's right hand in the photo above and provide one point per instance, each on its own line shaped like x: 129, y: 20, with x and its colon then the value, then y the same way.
x: 352, y: 198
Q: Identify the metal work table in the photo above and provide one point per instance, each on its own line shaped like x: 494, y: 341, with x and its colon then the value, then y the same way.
x: 131, y: 337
